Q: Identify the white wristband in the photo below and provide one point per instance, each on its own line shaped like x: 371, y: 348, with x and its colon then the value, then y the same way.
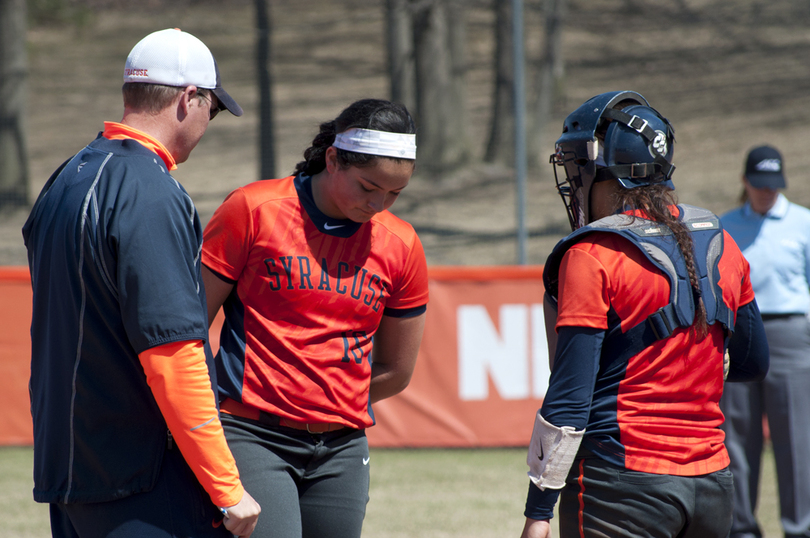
x: 551, y: 452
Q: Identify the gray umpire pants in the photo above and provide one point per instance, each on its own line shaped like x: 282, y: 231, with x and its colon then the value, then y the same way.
x: 784, y: 396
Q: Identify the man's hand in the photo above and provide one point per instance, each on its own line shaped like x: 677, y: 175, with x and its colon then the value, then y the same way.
x: 536, y: 528
x: 242, y: 517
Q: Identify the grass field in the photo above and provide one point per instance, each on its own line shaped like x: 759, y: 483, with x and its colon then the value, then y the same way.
x: 426, y: 493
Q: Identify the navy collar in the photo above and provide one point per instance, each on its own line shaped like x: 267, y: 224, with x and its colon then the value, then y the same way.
x: 327, y: 225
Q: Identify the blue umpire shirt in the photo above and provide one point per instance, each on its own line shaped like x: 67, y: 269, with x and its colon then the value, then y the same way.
x: 777, y: 247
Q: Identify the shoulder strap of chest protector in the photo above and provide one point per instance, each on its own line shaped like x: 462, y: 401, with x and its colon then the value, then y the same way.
x: 658, y: 244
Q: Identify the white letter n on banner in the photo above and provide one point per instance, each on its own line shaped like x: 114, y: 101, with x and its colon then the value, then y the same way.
x: 483, y: 352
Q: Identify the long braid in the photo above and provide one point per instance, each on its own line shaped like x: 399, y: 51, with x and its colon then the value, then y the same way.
x: 654, y: 201
x: 315, y: 155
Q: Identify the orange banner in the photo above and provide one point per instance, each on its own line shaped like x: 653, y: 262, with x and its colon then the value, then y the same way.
x: 481, y: 375
x: 483, y: 365
x: 15, y: 356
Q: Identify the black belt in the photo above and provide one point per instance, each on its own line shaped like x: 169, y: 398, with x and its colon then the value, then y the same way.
x: 769, y: 317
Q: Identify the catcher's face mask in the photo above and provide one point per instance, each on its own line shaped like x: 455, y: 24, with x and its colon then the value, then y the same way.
x: 574, y: 185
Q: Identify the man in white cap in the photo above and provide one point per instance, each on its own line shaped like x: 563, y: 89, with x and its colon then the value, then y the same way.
x: 127, y: 437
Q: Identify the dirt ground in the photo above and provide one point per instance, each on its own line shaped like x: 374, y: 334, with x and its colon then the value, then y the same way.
x: 728, y: 75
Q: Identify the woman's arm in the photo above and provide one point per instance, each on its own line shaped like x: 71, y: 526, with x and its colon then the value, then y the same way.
x: 748, y: 346
x: 216, y: 291
x: 536, y: 528
x: 393, y: 358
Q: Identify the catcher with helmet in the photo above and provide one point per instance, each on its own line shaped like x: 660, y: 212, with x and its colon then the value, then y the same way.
x: 648, y: 296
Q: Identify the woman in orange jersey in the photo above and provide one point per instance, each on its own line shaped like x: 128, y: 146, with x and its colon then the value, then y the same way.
x: 649, y: 296
x: 309, y: 269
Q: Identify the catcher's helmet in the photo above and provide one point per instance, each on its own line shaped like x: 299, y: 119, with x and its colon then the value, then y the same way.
x: 615, y: 135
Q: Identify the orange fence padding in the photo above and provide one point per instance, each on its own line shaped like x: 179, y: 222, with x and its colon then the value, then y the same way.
x: 480, y: 377
x: 15, y: 355
x: 482, y: 369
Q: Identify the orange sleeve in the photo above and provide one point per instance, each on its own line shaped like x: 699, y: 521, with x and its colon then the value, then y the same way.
x: 583, y: 299
x: 412, y: 289
x: 226, y: 238
x: 178, y: 377
x: 735, y: 277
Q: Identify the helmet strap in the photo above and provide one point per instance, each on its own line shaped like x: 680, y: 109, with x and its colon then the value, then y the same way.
x: 636, y: 123
x: 637, y: 170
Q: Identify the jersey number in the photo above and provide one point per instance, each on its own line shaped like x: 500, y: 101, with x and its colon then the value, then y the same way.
x: 353, y: 345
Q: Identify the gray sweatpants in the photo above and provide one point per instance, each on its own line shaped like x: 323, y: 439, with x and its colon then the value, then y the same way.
x: 308, y: 485
x: 784, y: 396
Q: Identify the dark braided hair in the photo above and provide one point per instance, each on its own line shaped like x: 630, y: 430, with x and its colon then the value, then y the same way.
x: 376, y: 114
x: 654, y: 201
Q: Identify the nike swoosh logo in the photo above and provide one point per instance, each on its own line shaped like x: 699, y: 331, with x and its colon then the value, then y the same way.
x: 540, y: 457
x: 326, y: 226
x: 366, y: 460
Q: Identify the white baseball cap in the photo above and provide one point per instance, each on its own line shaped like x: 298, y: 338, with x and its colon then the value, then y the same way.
x: 175, y: 58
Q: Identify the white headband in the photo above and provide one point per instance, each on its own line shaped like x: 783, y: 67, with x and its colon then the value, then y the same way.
x: 382, y: 143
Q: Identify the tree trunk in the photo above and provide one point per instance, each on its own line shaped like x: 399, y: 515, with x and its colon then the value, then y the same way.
x: 440, y: 65
x: 457, y: 147
x: 13, y: 82
x: 401, y: 70
x: 433, y: 83
x: 551, y: 78
x: 500, y: 147
x: 267, y: 154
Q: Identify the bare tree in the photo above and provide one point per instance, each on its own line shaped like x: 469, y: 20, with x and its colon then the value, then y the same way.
x: 427, y: 69
x: 550, y: 77
x: 267, y: 154
x: 401, y: 56
x: 457, y: 148
x: 500, y: 146
x: 13, y: 82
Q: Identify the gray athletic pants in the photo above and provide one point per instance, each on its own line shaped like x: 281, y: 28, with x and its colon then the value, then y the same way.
x: 601, y: 500
x: 308, y: 485
x: 784, y: 396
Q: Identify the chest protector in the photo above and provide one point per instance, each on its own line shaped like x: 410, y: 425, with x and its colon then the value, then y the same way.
x: 659, y: 245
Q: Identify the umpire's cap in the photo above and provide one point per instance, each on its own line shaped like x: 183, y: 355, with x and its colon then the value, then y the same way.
x: 763, y: 168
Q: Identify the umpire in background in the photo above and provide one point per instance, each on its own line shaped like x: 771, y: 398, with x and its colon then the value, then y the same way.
x: 774, y: 235
x: 127, y: 437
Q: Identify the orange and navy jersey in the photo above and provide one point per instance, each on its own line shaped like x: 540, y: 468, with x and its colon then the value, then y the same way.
x: 309, y: 295
x: 658, y: 412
